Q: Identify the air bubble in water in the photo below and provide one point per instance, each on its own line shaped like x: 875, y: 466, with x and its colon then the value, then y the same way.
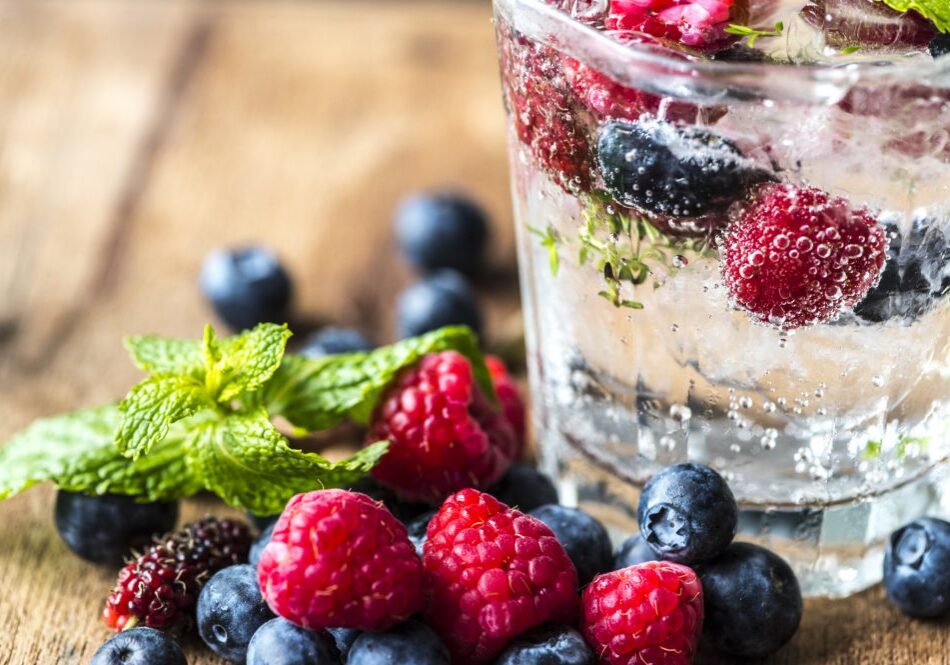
x: 877, y: 380
x: 668, y: 443
x: 680, y: 413
x: 745, y: 402
x: 769, y: 407
x: 674, y: 328
x: 735, y: 448
x: 680, y: 261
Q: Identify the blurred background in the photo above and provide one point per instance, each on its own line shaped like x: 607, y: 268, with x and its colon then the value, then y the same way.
x: 137, y: 135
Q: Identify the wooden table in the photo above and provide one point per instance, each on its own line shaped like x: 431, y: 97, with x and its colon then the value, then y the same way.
x: 136, y: 135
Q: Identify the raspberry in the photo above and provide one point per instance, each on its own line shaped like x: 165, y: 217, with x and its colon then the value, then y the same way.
x: 339, y: 559
x: 511, y: 403
x: 161, y: 586
x: 443, y: 434
x: 650, y: 614
x: 797, y: 256
x: 698, y: 24
x: 605, y: 98
x: 493, y: 573
x: 542, y: 111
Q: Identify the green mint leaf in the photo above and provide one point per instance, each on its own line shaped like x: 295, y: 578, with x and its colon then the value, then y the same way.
x: 152, y: 406
x: 319, y: 393
x: 158, y: 355
x: 243, y: 363
x: 244, y: 460
x: 77, y: 452
x: 938, y: 11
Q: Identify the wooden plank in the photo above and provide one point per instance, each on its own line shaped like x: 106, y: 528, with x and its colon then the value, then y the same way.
x: 134, y: 136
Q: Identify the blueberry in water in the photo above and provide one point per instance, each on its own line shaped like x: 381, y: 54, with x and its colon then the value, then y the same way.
x: 257, y: 547
x: 331, y: 341
x: 632, y: 552
x: 940, y: 45
x: 417, y: 529
x: 917, y: 568
x: 410, y: 643
x: 442, y: 230
x: 525, y: 488
x: 669, y: 170
x: 230, y: 610
x: 104, y: 529
x: 548, y: 645
x: 139, y: 646
x: 916, y: 275
x: 687, y: 513
x: 279, y: 642
x: 246, y: 286
x: 584, y: 538
x: 753, y: 603
x: 442, y: 299
x: 343, y: 639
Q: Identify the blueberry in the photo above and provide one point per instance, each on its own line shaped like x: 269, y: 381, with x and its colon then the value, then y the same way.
x: 917, y: 568
x: 548, y: 645
x: 442, y: 230
x: 632, y: 552
x: 940, y: 45
x: 916, y: 274
x: 669, y: 170
x: 139, y: 646
x: 246, y: 286
x: 417, y: 530
x: 257, y: 547
x: 230, y: 610
x: 279, y: 642
x: 442, y: 299
x: 753, y: 603
x: 104, y: 529
x: 331, y: 341
x: 525, y: 488
x: 343, y: 639
x: 585, y: 539
x: 411, y: 643
x: 687, y: 513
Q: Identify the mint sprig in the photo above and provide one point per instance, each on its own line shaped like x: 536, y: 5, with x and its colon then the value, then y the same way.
x: 203, y: 420
x: 938, y: 11
x: 752, y: 35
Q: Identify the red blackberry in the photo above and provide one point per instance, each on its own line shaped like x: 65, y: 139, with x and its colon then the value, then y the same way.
x: 443, y: 434
x: 161, y: 586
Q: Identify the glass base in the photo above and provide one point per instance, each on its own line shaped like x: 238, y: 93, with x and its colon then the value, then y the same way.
x: 835, y: 549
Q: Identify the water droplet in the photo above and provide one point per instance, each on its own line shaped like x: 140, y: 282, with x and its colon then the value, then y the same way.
x: 804, y: 244
x: 823, y: 251
x: 769, y: 407
x: 746, y: 271
x: 853, y: 251
x: 781, y: 241
x: 680, y: 413
x: 745, y: 402
x: 833, y: 292
x: 877, y: 380
x: 756, y: 258
x: 680, y: 261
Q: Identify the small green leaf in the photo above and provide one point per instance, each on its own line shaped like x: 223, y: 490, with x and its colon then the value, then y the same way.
x: 319, y: 393
x: 244, y: 460
x: 753, y: 34
x: 152, y: 406
x: 78, y: 453
x: 243, y: 363
x: 158, y: 355
x: 938, y: 11
x: 848, y: 50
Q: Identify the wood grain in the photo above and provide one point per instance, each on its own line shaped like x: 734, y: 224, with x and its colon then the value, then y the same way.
x: 134, y: 136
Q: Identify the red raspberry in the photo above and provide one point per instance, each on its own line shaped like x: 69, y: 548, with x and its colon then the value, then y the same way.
x: 511, y: 403
x: 797, y: 256
x: 443, y: 434
x: 699, y: 24
x: 649, y: 614
x: 340, y: 559
x: 493, y: 573
x: 542, y: 111
x: 161, y: 586
x: 605, y: 98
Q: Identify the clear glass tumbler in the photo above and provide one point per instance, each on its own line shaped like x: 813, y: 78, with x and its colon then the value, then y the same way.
x: 829, y: 428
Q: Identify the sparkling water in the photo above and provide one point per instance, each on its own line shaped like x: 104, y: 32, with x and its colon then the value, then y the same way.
x: 831, y: 435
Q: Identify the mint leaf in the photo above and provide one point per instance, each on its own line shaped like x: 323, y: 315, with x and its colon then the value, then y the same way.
x: 158, y: 355
x: 315, y: 394
x: 243, y: 459
x: 241, y: 364
x: 78, y: 453
x: 152, y: 406
x: 938, y: 11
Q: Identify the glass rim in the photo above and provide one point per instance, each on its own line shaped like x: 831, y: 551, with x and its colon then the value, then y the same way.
x: 713, y: 80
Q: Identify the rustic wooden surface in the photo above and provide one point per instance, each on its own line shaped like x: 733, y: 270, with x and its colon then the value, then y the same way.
x: 134, y: 136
